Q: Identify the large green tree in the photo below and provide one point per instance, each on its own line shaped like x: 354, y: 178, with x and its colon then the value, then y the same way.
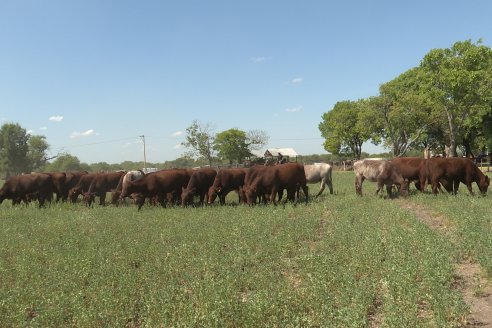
x: 402, y: 112
x: 458, y: 80
x: 37, y: 152
x: 345, y: 129
x: 199, y: 140
x: 13, y: 149
x: 66, y: 162
x: 232, y: 145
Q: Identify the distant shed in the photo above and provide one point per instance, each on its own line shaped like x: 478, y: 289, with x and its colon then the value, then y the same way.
x: 281, y: 152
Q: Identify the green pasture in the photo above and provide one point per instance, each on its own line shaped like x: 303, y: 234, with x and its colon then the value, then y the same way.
x: 341, y: 261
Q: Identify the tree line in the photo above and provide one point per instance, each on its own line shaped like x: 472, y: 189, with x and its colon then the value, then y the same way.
x: 442, y: 105
x: 21, y: 152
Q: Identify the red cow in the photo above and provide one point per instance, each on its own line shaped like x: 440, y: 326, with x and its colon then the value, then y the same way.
x: 381, y: 171
x: 82, y: 186
x: 71, y: 180
x: 157, y: 184
x: 272, y: 179
x: 58, y: 183
x: 199, y: 184
x: 412, y: 169
x: 226, y: 181
x: 455, y: 170
x: 100, y: 185
x: 249, y: 177
x: 129, y: 176
x: 19, y: 187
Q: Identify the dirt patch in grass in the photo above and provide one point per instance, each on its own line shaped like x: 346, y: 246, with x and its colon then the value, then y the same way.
x: 470, y: 280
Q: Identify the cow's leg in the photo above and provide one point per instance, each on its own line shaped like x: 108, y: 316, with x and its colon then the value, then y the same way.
x: 358, y: 184
x: 102, y: 198
x: 389, y: 190
x: 329, y: 183
x: 435, y: 185
x: 469, y: 186
x: 321, y: 187
x: 305, y: 189
x: 273, y: 195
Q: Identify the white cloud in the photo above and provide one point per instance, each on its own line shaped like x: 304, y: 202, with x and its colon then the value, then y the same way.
x: 178, y: 146
x: 177, y: 134
x: 294, y: 109
x: 87, y: 133
x: 297, y: 80
x: 29, y: 131
x: 43, y: 128
x: 57, y: 118
x: 259, y: 60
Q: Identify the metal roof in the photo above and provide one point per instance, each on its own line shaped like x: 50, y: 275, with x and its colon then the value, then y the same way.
x: 282, y: 151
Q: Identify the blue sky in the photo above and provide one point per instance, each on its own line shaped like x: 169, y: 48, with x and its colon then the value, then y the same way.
x: 93, y: 75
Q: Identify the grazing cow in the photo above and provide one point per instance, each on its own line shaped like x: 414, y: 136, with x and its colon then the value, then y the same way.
x: 129, y: 176
x: 158, y: 184
x: 319, y: 172
x: 100, y: 185
x: 272, y: 179
x: 71, y: 180
x: 21, y: 187
x: 199, y: 184
x: 381, y: 171
x: 226, y: 181
x: 59, y: 179
x: 249, y: 177
x: 412, y: 169
x: 455, y: 170
x: 82, y: 186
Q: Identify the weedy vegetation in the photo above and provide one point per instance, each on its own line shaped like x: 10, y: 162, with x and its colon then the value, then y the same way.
x: 341, y: 261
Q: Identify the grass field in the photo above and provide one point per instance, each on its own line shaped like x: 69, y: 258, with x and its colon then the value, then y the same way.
x: 341, y: 261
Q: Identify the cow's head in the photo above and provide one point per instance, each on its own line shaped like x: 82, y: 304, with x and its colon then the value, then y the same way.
x: 73, y: 194
x: 187, y: 196
x: 484, y: 184
x: 89, y: 198
x: 115, y: 197
x: 212, y: 194
x: 250, y: 194
x: 404, y: 188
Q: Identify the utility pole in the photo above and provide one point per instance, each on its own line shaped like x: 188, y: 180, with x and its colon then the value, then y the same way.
x: 145, y: 157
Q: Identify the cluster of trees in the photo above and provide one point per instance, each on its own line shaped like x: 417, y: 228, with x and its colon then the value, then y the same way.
x: 21, y: 152
x: 443, y: 104
x: 231, y: 145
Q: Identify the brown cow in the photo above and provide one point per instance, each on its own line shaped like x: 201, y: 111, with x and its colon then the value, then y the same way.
x: 157, y: 184
x: 100, y: 185
x: 82, y: 186
x: 381, y: 171
x: 226, y: 181
x: 272, y: 179
x: 71, y: 180
x: 412, y: 169
x: 20, y: 187
x: 58, y: 183
x: 455, y: 170
x: 199, y: 184
x: 129, y: 176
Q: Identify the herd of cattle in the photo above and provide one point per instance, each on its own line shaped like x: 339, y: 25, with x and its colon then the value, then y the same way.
x: 173, y: 186
x: 256, y: 184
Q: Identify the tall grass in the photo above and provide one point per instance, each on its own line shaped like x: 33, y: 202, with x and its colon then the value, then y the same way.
x: 341, y: 261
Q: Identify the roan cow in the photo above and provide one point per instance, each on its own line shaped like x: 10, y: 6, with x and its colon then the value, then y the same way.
x: 319, y: 172
x: 381, y: 171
